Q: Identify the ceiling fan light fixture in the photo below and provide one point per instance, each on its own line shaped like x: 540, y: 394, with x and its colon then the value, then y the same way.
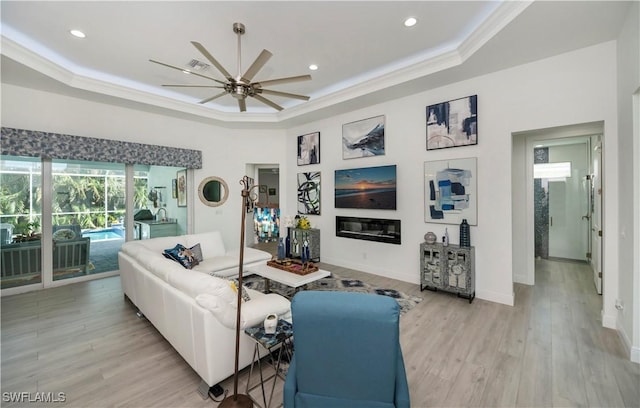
x: 313, y: 67
x: 242, y: 86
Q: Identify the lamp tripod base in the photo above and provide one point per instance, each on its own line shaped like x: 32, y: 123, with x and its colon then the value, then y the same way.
x: 236, y: 401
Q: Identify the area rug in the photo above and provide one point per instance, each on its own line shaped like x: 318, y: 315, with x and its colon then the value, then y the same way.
x: 337, y: 283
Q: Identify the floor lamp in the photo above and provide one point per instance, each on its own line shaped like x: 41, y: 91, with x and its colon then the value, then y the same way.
x: 240, y: 400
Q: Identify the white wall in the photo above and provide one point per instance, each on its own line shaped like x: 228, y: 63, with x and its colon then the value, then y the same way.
x: 576, y: 87
x: 629, y: 182
x: 224, y: 151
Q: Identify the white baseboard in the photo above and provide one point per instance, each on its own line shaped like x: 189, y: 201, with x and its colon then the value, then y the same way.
x: 405, y: 277
x: 609, y: 321
x: 633, y: 352
x: 495, y: 297
x: 523, y: 279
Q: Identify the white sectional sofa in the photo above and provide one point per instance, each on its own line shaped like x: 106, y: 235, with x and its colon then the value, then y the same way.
x: 194, y: 311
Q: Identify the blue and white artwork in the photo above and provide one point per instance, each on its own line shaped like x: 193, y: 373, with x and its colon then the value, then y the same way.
x: 453, y: 123
x: 363, y: 138
x: 450, y: 191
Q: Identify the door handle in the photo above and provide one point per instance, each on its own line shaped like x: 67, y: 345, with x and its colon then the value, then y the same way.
x: 586, y: 217
x: 551, y: 221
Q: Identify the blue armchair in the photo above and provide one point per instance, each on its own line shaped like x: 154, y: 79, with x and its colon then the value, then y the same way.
x: 347, y: 352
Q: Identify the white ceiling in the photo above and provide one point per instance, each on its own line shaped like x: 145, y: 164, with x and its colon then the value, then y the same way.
x: 364, y: 53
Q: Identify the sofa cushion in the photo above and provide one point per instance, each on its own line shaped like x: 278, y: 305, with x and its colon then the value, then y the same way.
x: 209, y: 265
x: 250, y: 255
x: 64, y: 234
x: 197, y: 252
x: 193, y: 283
x: 211, y: 243
x: 181, y: 254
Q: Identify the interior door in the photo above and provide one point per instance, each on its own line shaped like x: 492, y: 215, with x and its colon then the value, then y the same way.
x: 596, y: 214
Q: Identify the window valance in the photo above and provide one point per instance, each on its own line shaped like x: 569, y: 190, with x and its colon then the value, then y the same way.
x: 31, y: 143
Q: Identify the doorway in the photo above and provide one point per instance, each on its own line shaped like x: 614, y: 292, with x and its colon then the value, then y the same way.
x: 574, y: 197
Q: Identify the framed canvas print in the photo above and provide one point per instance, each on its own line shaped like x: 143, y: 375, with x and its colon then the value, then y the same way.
x: 309, y: 149
x: 181, y: 177
x: 309, y: 193
x: 363, y: 138
x: 368, y: 188
x: 453, y: 123
x: 450, y: 191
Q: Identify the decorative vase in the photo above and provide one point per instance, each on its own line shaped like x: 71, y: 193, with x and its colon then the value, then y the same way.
x: 445, y: 238
x: 430, y: 238
x: 281, y: 251
x: 465, y: 234
x: 270, y: 323
x: 287, y: 245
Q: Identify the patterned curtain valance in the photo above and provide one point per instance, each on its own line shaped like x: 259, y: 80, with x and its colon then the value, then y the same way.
x: 21, y: 142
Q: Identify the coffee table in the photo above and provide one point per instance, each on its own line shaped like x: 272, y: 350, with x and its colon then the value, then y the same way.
x: 286, y: 278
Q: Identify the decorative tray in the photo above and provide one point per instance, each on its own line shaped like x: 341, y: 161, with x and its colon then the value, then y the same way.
x: 293, y: 266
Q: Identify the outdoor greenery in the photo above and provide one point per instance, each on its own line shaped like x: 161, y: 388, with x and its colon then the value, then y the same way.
x: 92, y: 201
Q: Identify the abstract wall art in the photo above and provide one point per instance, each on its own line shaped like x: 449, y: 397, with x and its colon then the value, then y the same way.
x: 453, y: 123
x: 309, y: 149
x: 369, y: 188
x: 309, y: 193
x: 363, y: 138
x: 450, y: 191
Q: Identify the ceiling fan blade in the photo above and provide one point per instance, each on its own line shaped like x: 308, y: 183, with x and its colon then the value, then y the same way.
x: 285, y: 94
x: 268, y: 102
x: 185, y: 70
x: 213, y: 97
x: 299, y: 78
x: 256, y: 66
x: 242, y: 104
x: 212, y: 60
x: 195, y: 86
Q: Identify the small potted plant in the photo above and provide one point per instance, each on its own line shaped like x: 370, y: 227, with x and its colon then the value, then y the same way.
x: 27, y: 231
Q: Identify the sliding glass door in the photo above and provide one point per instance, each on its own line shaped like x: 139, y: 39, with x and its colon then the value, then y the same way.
x: 20, y: 221
x: 88, y: 212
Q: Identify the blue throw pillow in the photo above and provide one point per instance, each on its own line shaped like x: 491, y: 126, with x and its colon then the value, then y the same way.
x: 184, y: 256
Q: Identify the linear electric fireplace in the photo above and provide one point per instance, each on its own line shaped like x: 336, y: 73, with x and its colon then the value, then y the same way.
x: 369, y: 229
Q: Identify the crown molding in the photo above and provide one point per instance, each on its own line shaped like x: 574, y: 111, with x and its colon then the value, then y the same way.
x: 74, y: 77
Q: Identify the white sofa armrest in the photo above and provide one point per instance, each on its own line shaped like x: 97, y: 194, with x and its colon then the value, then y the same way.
x: 252, y: 313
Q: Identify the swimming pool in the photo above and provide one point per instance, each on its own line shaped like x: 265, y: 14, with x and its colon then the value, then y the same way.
x: 104, y: 234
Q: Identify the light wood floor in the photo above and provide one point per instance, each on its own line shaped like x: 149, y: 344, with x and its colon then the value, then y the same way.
x: 548, y: 350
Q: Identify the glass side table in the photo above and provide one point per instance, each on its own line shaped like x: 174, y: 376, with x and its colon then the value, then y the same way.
x: 280, y: 342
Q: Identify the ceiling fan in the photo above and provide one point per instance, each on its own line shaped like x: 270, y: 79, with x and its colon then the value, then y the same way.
x: 241, y: 87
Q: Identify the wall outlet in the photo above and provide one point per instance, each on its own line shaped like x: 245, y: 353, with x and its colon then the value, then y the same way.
x: 619, y: 304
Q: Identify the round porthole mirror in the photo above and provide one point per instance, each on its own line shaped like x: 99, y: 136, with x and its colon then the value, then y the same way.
x: 213, y: 191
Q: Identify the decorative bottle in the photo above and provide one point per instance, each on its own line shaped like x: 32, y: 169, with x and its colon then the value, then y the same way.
x: 465, y: 234
x: 287, y: 246
x: 445, y: 238
x: 305, y: 248
x: 281, y: 251
x: 296, y: 245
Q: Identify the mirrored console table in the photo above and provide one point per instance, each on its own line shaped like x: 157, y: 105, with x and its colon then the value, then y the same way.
x: 448, y: 268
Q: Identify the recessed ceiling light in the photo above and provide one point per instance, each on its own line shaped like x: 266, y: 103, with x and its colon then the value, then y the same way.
x: 410, y: 22
x: 313, y: 67
x: 77, y: 33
